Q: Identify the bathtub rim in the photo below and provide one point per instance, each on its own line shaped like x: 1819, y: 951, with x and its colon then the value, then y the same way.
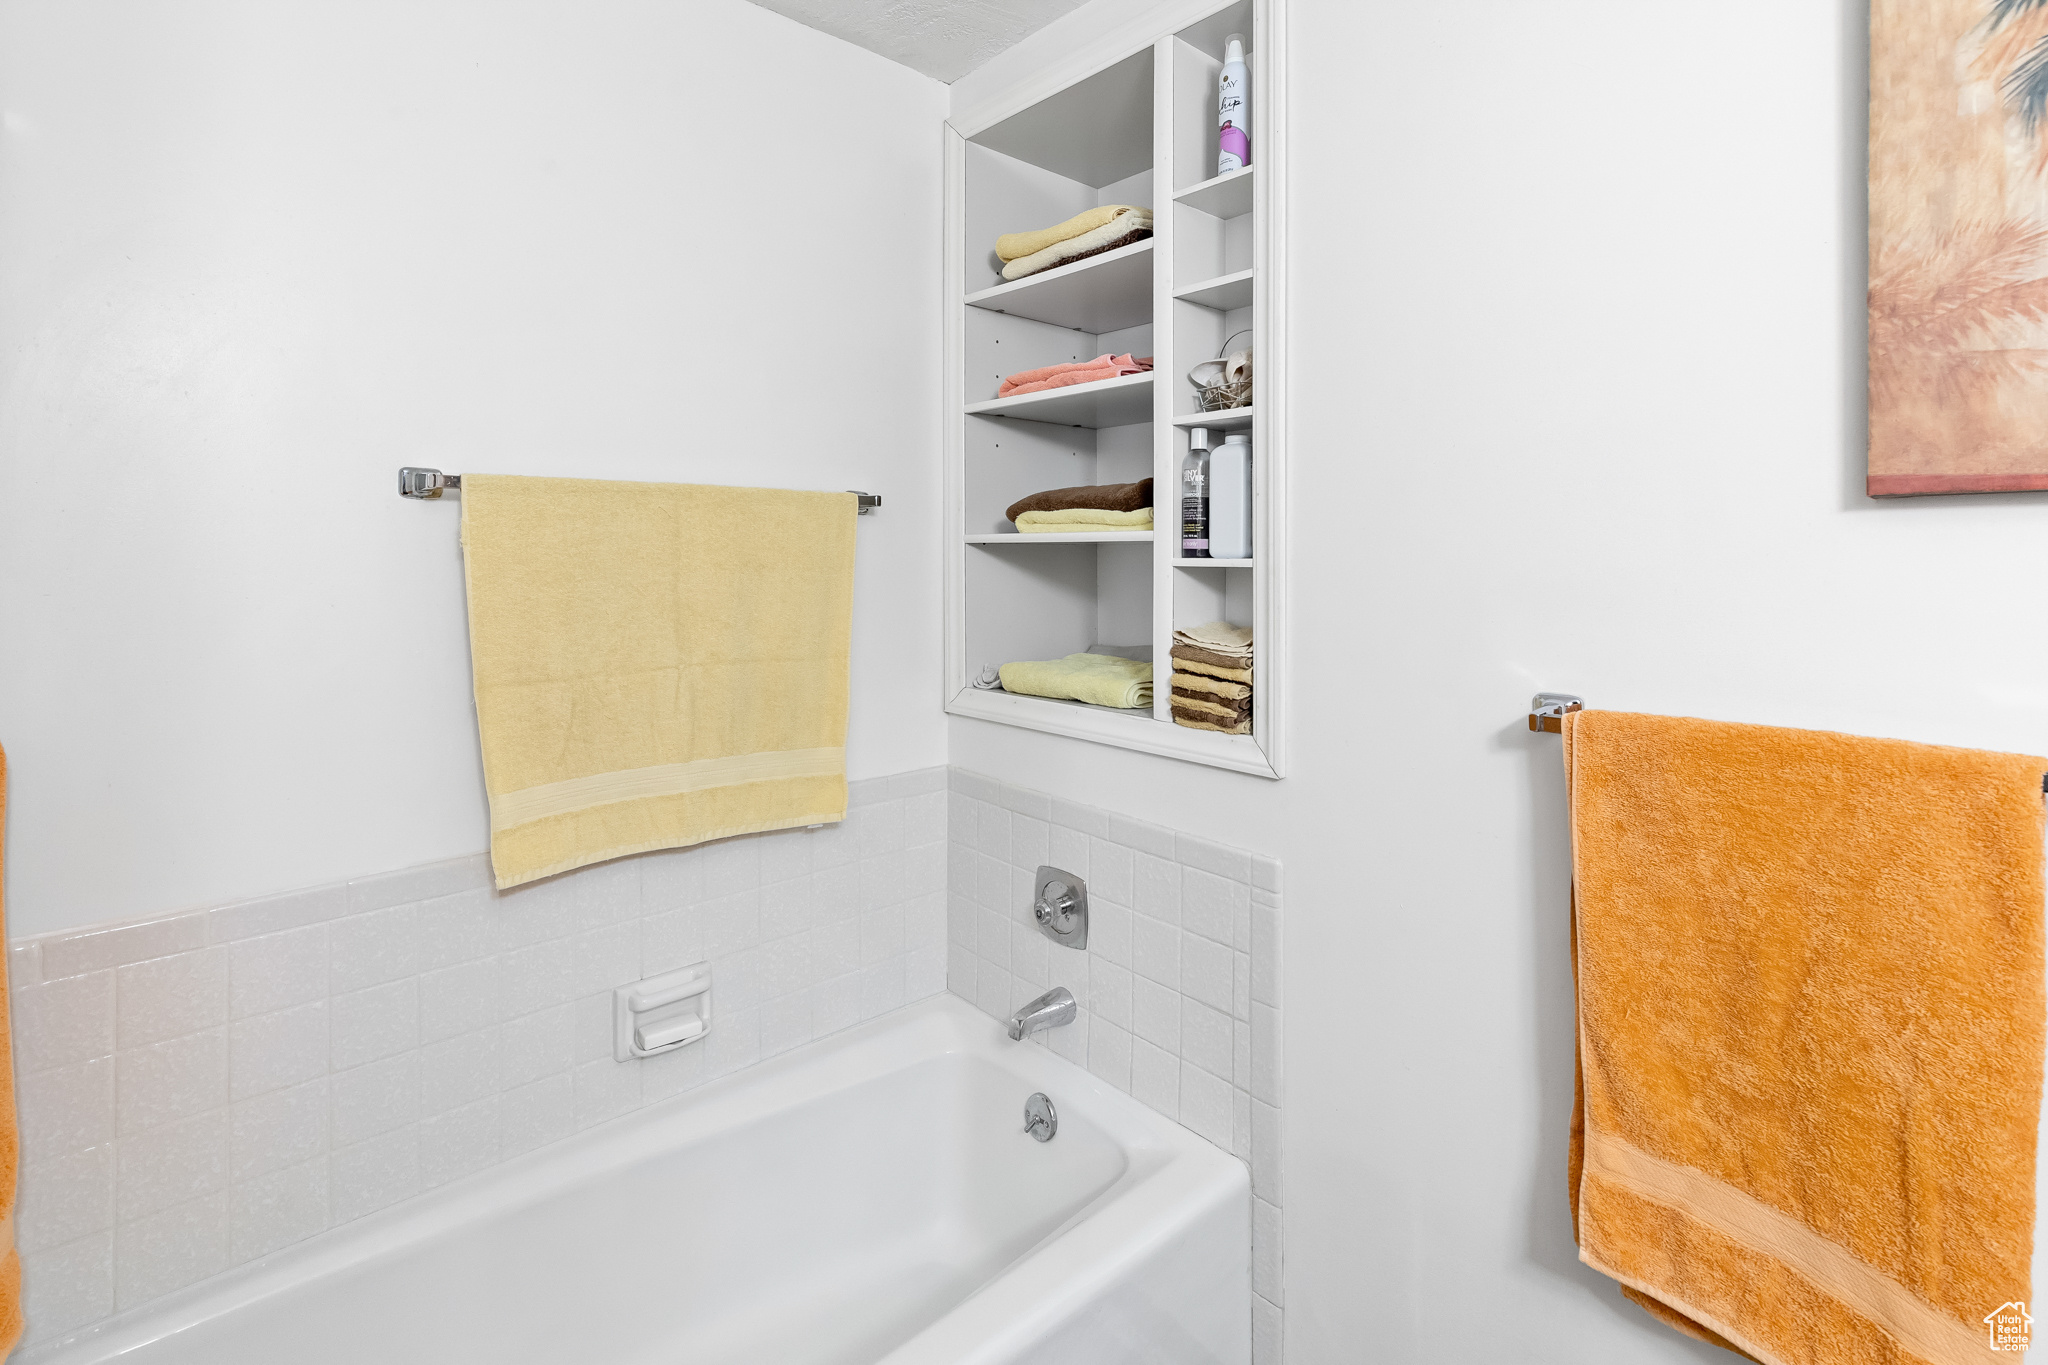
x: 1172, y: 1177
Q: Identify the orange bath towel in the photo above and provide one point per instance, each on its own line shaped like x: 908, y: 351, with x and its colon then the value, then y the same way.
x: 1810, y: 1007
x: 10, y: 1139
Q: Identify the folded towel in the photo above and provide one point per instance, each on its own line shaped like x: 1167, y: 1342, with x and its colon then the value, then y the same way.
x: 1220, y: 712
x: 1107, y: 497
x: 10, y: 1149
x: 1218, y: 636
x: 1196, y: 666
x: 1074, y: 520
x: 1013, y: 245
x: 1131, y: 225
x: 1098, y: 678
x: 1184, y: 681
x: 1810, y: 1008
x: 655, y: 664
x: 1195, y: 654
x: 1073, y: 373
x: 1195, y: 720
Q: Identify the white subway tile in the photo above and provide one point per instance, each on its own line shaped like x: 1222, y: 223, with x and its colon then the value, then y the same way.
x: 69, y: 1286
x: 731, y: 867
x: 537, y: 977
x: 1109, y: 932
x: 459, y: 1142
x: 1070, y: 1041
x: 924, y: 972
x: 835, y: 950
x: 277, y: 1210
x: 276, y: 914
x: 924, y: 921
x: 535, y: 1114
x: 785, y: 856
x: 1109, y: 1052
x: 455, y: 929
x: 672, y: 939
x: 961, y: 966
x: 65, y: 1198
x: 1030, y: 958
x: 785, y: 1023
x: 882, y: 881
x: 838, y: 892
x: 1109, y: 991
x: 1265, y: 1054
x: 669, y: 880
x: 1205, y: 1104
x: 536, y: 912
x: 881, y: 988
x: 1266, y: 1251
x: 1265, y: 873
x: 1268, y: 1340
x: 277, y: 1129
x: 784, y: 966
x: 1087, y: 819
x: 993, y: 939
x: 973, y: 784
x: 881, y: 935
x: 1266, y: 955
x: 372, y: 948
x: 594, y: 1027
x: 963, y: 917
x: 271, y: 1051
x: 373, y: 1175
x: 924, y: 818
x: 168, y: 997
x: 63, y: 1022
x: 172, y: 1080
x: 788, y: 907
x: 374, y: 1023
x: 732, y: 923
x: 1266, y: 1178
x: 1112, y: 871
x: 1241, y: 987
x: 1208, y: 904
x: 734, y: 1043
x: 377, y: 1098
x: 536, y: 1045
x: 1068, y: 850
x: 1224, y: 861
x: 1155, y: 1014
x: 1208, y: 1039
x: 1155, y: 1078
x: 992, y: 990
x: 1208, y: 972
x: 1146, y: 838
x: 604, y: 1089
x: 992, y: 831
x: 459, y: 1071
x: 1156, y: 888
x: 1156, y: 950
x: 425, y: 882
x: 1241, y: 1134
x: 277, y: 971
x: 881, y: 829
x: 993, y: 882
x: 66, y: 1108
x: 117, y: 945
x: 459, y: 999
x: 835, y: 1004
x: 170, y: 1250
x: 171, y: 1163
x: 1023, y: 801
x: 673, y: 1073
x: 606, y: 894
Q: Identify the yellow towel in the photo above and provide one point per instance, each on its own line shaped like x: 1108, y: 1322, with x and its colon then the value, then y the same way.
x: 1073, y: 520
x: 11, y: 1321
x: 1810, y: 1008
x: 1016, y: 245
x: 656, y: 664
x: 1099, y: 678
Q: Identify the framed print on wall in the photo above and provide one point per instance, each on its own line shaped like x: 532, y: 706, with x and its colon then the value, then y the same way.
x: 1958, y: 246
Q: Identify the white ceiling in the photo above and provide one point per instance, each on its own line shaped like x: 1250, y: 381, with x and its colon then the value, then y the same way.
x: 944, y: 39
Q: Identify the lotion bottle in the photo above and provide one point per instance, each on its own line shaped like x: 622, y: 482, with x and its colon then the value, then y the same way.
x: 1194, y: 497
x: 1233, y: 109
x: 1230, y: 498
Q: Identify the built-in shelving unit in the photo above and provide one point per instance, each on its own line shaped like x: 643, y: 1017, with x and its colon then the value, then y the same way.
x: 1136, y: 126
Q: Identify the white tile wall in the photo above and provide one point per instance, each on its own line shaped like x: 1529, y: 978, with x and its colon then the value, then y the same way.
x: 1178, y: 988
x: 201, y: 1089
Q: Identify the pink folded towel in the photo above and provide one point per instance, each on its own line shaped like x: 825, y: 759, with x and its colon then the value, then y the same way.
x: 1079, y: 372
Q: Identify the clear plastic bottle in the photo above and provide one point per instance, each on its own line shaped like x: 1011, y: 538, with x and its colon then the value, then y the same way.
x: 1194, y: 497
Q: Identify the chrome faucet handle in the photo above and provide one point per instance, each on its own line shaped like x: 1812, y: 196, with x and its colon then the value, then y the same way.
x: 1060, y: 905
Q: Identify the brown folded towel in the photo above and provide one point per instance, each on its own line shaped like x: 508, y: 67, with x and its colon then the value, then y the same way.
x: 1196, y: 654
x: 1223, y: 713
x: 1214, y: 688
x: 1184, y: 664
x: 1196, y: 721
x: 1108, y: 497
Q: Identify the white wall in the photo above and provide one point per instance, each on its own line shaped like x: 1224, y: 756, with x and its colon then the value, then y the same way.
x: 254, y: 257
x: 1577, y: 405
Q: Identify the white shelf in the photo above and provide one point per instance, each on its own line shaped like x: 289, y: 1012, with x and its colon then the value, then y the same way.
x: 1057, y: 537
x: 1214, y: 563
x: 1105, y: 293
x: 1225, y: 196
x: 1229, y: 419
x: 1124, y: 729
x: 1105, y: 403
x: 1223, y: 293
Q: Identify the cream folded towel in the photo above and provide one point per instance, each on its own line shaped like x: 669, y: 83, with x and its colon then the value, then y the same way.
x: 1195, y: 720
x: 1014, y: 245
x: 1070, y: 520
x: 1098, y: 678
x: 1184, y: 681
x: 1130, y: 226
x: 655, y: 664
x: 1218, y: 637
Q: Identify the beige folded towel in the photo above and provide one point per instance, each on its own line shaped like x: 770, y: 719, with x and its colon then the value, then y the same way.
x: 1222, y: 713
x: 1071, y: 519
x: 1219, y: 637
x: 1132, y: 225
x: 1101, y: 679
x: 1015, y: 245
x: 1207, y: 686
x: 1195, y: 654
x: 1196, y: 666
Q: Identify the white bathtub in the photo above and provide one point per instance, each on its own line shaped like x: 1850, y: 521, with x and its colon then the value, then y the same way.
x: 870, y: 1198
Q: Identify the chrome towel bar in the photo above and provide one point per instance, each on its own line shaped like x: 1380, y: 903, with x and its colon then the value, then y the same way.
x: 428, y: 483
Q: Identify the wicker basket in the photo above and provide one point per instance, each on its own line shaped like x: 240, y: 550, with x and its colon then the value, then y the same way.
x: 1226, y: 381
